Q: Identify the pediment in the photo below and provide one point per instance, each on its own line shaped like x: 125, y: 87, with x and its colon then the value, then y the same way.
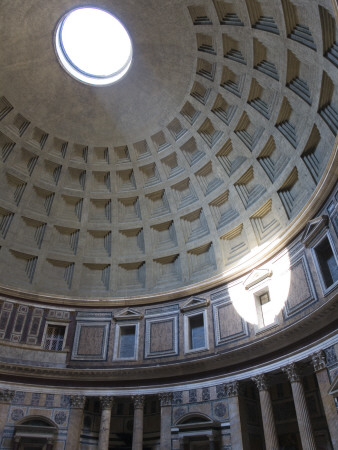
x: 313, y: 228
x: 194, y: 303
x: 256, y: 276
x: 127, y: 314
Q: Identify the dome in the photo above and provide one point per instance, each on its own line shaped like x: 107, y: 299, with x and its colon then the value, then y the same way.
x: 201, y: 161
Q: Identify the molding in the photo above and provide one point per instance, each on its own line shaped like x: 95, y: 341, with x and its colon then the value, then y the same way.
x: 128, y: 314
x: 195, y: 303
x: 256, y: 276
x: 313, y: 229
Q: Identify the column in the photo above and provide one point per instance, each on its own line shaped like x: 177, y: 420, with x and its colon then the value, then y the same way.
x: 211, y: 442
x: 239, y: 440
x: 6, y: 396
x: 77, y: 403
x: 50, y: 444
x: 303, y: 418
x: 106, y: 406
x: 270, y: 433
x: 16, y: 444
x: 319, y: 365
x: 138, y: 422
x: 165, y: 400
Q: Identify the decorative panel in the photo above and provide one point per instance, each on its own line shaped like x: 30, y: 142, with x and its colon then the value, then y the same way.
x: 228, y: 324
x: 91, y: 339
x: 156, y: 328
x: 302, y: 291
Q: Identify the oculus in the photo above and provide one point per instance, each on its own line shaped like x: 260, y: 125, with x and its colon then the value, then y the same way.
x: 93, y: 46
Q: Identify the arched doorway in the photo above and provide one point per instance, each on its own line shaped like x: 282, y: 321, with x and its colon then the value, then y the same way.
x: 35, y: 433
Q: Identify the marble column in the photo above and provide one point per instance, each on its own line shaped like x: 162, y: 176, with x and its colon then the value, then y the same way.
x: 239, y: 440
x: 6, y: 396
x: 106, y: 406
x: 138, y: 422
x: 319, y: 365
x: 16, y: 443
x: 165, y: 400
x: 303, y: 417
x: 77, y: 403
x: 50, y: 444
x: 211, y: 442
x: 270, y: 433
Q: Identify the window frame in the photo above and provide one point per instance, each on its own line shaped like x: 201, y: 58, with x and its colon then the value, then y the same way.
x: 187, y: 330
x: 257, y: 294
x: 55, y: 324
x: 315, y: 244
x: 117, y: 340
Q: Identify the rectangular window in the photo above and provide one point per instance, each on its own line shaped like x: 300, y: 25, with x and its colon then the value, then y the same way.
x: 266, y: 314
x: 54, y: 339
x: 327, y: 262
x: 196, y: 335
x: 127, y: 341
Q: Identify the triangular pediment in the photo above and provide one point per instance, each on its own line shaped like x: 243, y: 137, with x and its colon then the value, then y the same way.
x: 194, y: 303
x: 256, y: 276
x: 313, y: 228
x: 127, y: 314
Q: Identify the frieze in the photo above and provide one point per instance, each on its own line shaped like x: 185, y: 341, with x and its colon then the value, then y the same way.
x: 177, y: 398
x: 220, y: 391
x: 205, y: 394
x: 6, y: 395
x: 192, y: 396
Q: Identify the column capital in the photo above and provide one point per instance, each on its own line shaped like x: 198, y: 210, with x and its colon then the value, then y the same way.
x: 291, y: 371
x: 261, y: 382
x: 138, y: 401
x: 106, y: 401
x: 165, y: 398
x: 6, y: 395
x: 77, y: 401
x: 319, y: 360
x: 232, y: 389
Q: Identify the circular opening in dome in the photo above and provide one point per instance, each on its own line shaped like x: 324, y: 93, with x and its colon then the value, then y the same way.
x: 93, y: 46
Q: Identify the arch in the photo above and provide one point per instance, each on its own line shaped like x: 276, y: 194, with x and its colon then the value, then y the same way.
x: 34, y: 420
x: 195, y: 418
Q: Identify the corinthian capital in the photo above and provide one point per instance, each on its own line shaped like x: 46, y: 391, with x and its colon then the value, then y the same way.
x: 292, y: 372
x: 261, y: 382
x: 165, y: 398
x: 138, y: 401
x: 106, y: 402
x: 318, y: 360
x: 77, y: 401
